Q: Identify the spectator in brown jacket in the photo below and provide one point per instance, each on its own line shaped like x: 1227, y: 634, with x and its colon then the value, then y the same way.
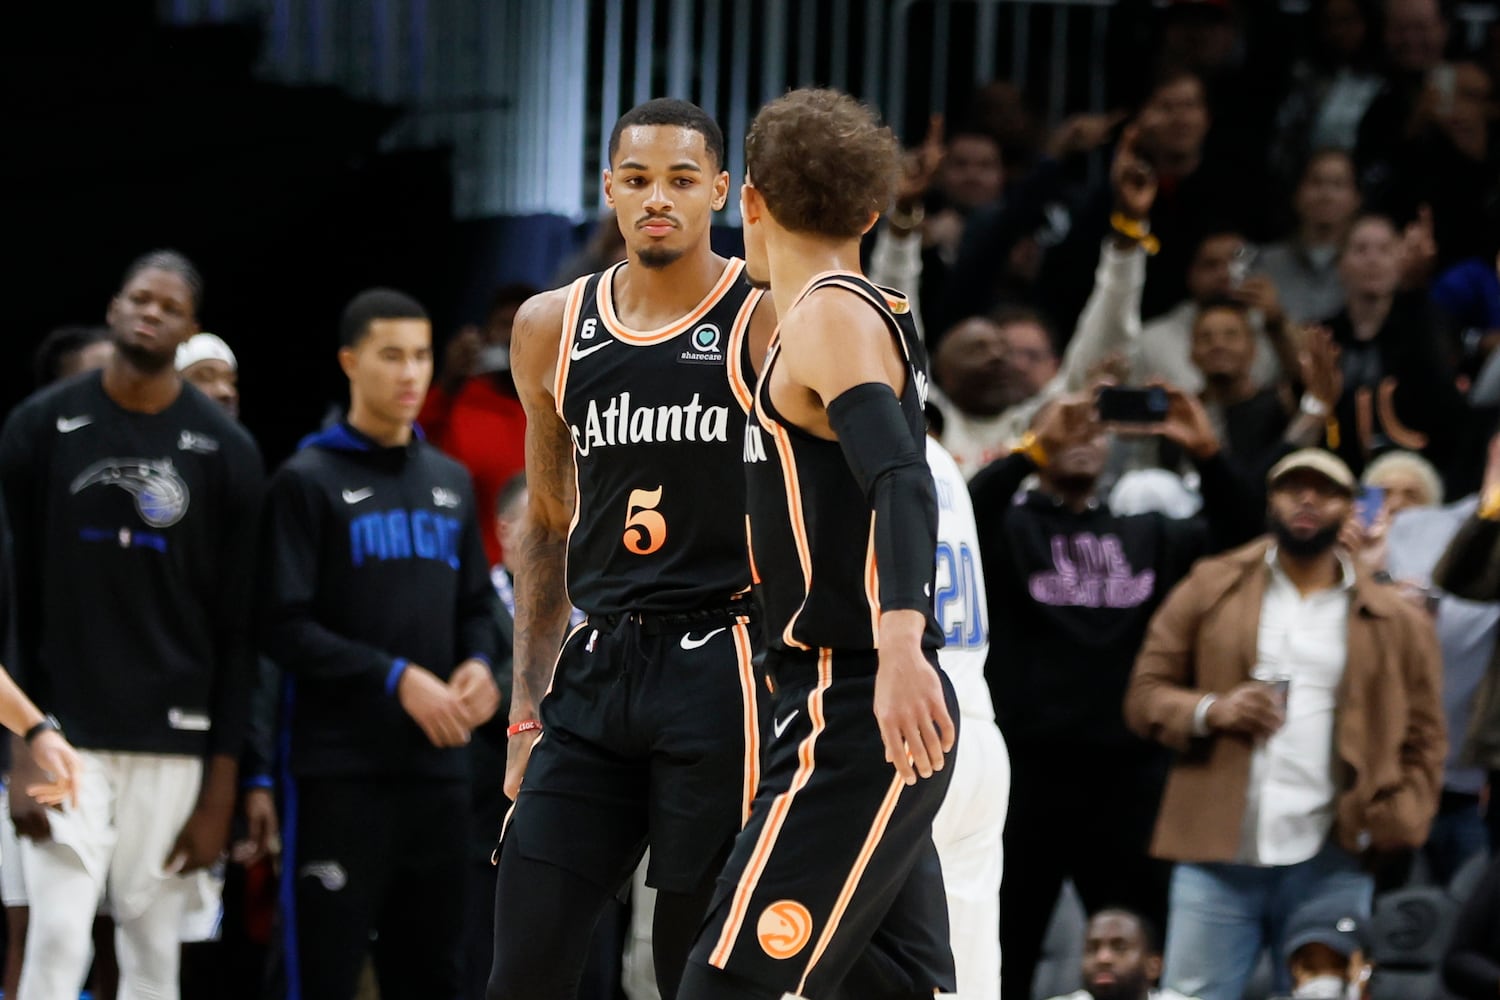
x: 1303, y: 700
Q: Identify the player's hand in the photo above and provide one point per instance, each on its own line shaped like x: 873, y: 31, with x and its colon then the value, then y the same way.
x: 909, y: 706
x: 205, y: 835
x: 518, y: 751
x: 27, y: 814
x: 476, y: 688
x: 1251, y: 709
x: 433, y: 706
x: 262, y: 829
x: 60, y: 768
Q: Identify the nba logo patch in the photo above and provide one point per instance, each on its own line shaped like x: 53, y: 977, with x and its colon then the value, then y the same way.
x: 703, y: 346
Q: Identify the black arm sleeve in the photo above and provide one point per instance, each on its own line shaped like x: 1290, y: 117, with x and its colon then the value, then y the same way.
x: 891, y: 469
x: 234, y: 646
x: 1472, y: 965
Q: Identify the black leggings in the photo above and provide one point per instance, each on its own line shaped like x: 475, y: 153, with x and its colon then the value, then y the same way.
x: 542, y: 939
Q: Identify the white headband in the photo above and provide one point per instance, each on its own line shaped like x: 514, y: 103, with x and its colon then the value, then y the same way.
x: 205, y: 347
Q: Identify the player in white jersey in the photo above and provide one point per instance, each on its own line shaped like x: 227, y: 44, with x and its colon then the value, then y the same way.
x: 967, y: 830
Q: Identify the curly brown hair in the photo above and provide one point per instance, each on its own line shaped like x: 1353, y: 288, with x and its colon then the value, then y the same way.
x: 823, y: 162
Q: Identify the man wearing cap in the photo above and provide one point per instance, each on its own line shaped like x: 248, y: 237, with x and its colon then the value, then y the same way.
x: 1303, y: 700
x: 206, y: 362
x: 1323, y: 950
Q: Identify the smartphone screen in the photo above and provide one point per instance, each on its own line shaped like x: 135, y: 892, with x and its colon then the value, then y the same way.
x: 1368, y: 504
x: 1132, y: 406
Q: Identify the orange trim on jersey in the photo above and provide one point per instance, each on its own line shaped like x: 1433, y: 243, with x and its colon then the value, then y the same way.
x: 888, y: 303
x: 641, y: 338
x: 742, y: 389
x: 851, y: 884
x: 780, y: 807
x: 872, y: 587
x: 798, y: 524
x: 746, y: 656
x: 750, y: 550
x: 571, y: 312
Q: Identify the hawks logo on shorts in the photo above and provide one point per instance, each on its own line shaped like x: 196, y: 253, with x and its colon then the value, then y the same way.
x: 784, y: 929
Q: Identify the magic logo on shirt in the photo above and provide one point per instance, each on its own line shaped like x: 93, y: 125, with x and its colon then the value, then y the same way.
x: 381, y: 536
x: 161, y: 495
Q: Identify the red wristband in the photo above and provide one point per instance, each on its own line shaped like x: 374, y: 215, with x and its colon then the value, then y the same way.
x: 524, y: 726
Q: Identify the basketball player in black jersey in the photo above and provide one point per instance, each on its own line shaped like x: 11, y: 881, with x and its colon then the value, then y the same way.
x: 636, y: 383
x: 835, y: 879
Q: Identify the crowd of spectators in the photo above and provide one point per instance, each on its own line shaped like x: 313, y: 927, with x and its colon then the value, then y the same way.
x: 1229, y: 635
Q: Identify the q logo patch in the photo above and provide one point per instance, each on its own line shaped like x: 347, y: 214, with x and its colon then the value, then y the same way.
x: 784, y: 929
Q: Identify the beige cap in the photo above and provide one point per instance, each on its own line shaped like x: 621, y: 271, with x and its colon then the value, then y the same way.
x: 1325, y: 463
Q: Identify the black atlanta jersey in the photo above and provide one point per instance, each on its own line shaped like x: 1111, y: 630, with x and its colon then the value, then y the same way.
x: 657, y: 418
x: 134, y: 547
x: 812, y: 530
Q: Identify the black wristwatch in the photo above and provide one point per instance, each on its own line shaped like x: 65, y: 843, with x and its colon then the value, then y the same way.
x: 49, y: 724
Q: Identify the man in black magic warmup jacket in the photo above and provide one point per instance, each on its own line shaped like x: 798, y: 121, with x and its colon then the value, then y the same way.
x: 379, y: 608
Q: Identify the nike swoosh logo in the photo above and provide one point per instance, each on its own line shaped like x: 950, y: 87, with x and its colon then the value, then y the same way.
x: 688, y: 642
x: 67, y: 425
x: 355, y: 496
x: 779, y: 726
x: 577, y: 355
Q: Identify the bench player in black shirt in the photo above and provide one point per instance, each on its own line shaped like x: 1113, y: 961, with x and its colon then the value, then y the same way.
x: 835, y: 880
x: 636, y: 385
x: 133, y: 501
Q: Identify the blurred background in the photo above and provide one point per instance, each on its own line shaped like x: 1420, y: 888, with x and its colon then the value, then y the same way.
x: 300, y: 150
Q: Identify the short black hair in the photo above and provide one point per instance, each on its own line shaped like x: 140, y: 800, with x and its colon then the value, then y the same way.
x: 513, y: 488
x: 171, y: 261
x: 1224, y: 302
x: 670, y: 111
x: 47, y: 362
x: 1150, y: 933
x: 373, y: 304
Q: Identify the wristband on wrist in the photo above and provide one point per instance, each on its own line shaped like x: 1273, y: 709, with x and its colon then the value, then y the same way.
x: 524, y: 726
x: 49, y: 724
x: 1031, y: 446
x: 1313, y: 406
x: 1137, y: 231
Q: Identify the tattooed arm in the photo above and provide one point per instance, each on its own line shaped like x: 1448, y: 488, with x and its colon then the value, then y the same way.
x: 541, y: 587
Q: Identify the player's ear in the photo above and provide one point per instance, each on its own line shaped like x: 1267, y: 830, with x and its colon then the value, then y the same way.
x: 721, y: 190
x: 347, y: 361
x: 874, y: 218
x: 751, y: 203
x: 609, y: 189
